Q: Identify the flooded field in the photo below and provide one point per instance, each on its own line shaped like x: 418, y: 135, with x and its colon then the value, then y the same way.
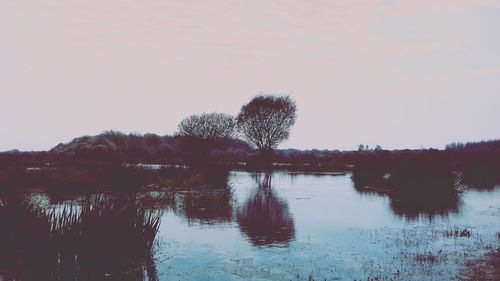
x: 281, y: 226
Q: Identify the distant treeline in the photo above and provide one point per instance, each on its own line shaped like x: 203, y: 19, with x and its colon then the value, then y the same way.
x: 116, y: 147
x: 112, y: 146
x: 489, y: 145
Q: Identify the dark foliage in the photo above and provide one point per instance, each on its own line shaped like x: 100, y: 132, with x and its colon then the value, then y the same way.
x: 479, y: 162
x: 489, y: 145
x: 212, y: 128
x: 80, y: 179
x: 266, y: 120
x: 202, y: 134
x: 100, y: 239
x: 115, y: 147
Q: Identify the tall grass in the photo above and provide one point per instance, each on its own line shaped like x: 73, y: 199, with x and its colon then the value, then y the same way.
x: 104, y: 238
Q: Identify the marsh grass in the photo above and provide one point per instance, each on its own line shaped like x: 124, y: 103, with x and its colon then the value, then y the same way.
x: 102, y: 239
x: 85, y: 179
x: 457, y: 233
x: 440, y: 254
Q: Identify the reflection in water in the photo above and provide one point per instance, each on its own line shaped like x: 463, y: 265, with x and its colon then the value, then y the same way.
x: 207, y: 202
x: 265, y: 218
x: 423, y: 190
x: 426, y: 203
x: 110, y: 237
x: 104, y: 238
x: 207, y: 206
x: 414, y: 190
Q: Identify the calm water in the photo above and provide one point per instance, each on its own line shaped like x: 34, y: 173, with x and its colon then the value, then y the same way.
x: 283, y: 227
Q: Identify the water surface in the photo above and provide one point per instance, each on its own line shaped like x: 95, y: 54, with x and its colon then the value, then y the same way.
x: 279, y: 226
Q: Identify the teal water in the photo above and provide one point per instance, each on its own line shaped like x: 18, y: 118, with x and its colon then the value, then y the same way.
x: 328, y: 230
x: 284, y: 226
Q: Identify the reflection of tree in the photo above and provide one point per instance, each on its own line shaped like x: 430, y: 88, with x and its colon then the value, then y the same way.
x: 207, y: 205
x: 423, y: 189
x: 428, y: 203
x: 103, y: 239
x: 208, y: 201
x: 414, y: 189
x: 265, y: 217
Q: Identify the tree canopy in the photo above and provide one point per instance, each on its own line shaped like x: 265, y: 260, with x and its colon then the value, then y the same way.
x: 209, y: 127
x: 266, y: 120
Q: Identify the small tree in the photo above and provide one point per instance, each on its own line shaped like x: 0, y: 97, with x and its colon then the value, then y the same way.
x: 207, y: 131
x: 266, y: 120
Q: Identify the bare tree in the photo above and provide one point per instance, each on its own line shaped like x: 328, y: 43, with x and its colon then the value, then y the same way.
x: 211, y: 127
x: 266, y: 121
x: 206, y: 132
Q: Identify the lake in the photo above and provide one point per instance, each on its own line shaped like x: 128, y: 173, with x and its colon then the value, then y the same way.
x: 280, y: 226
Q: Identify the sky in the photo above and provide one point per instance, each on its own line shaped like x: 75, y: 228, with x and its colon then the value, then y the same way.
x: 399, y: 74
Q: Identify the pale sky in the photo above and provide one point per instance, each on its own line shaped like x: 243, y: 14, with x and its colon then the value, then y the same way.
x: 400, y: 74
